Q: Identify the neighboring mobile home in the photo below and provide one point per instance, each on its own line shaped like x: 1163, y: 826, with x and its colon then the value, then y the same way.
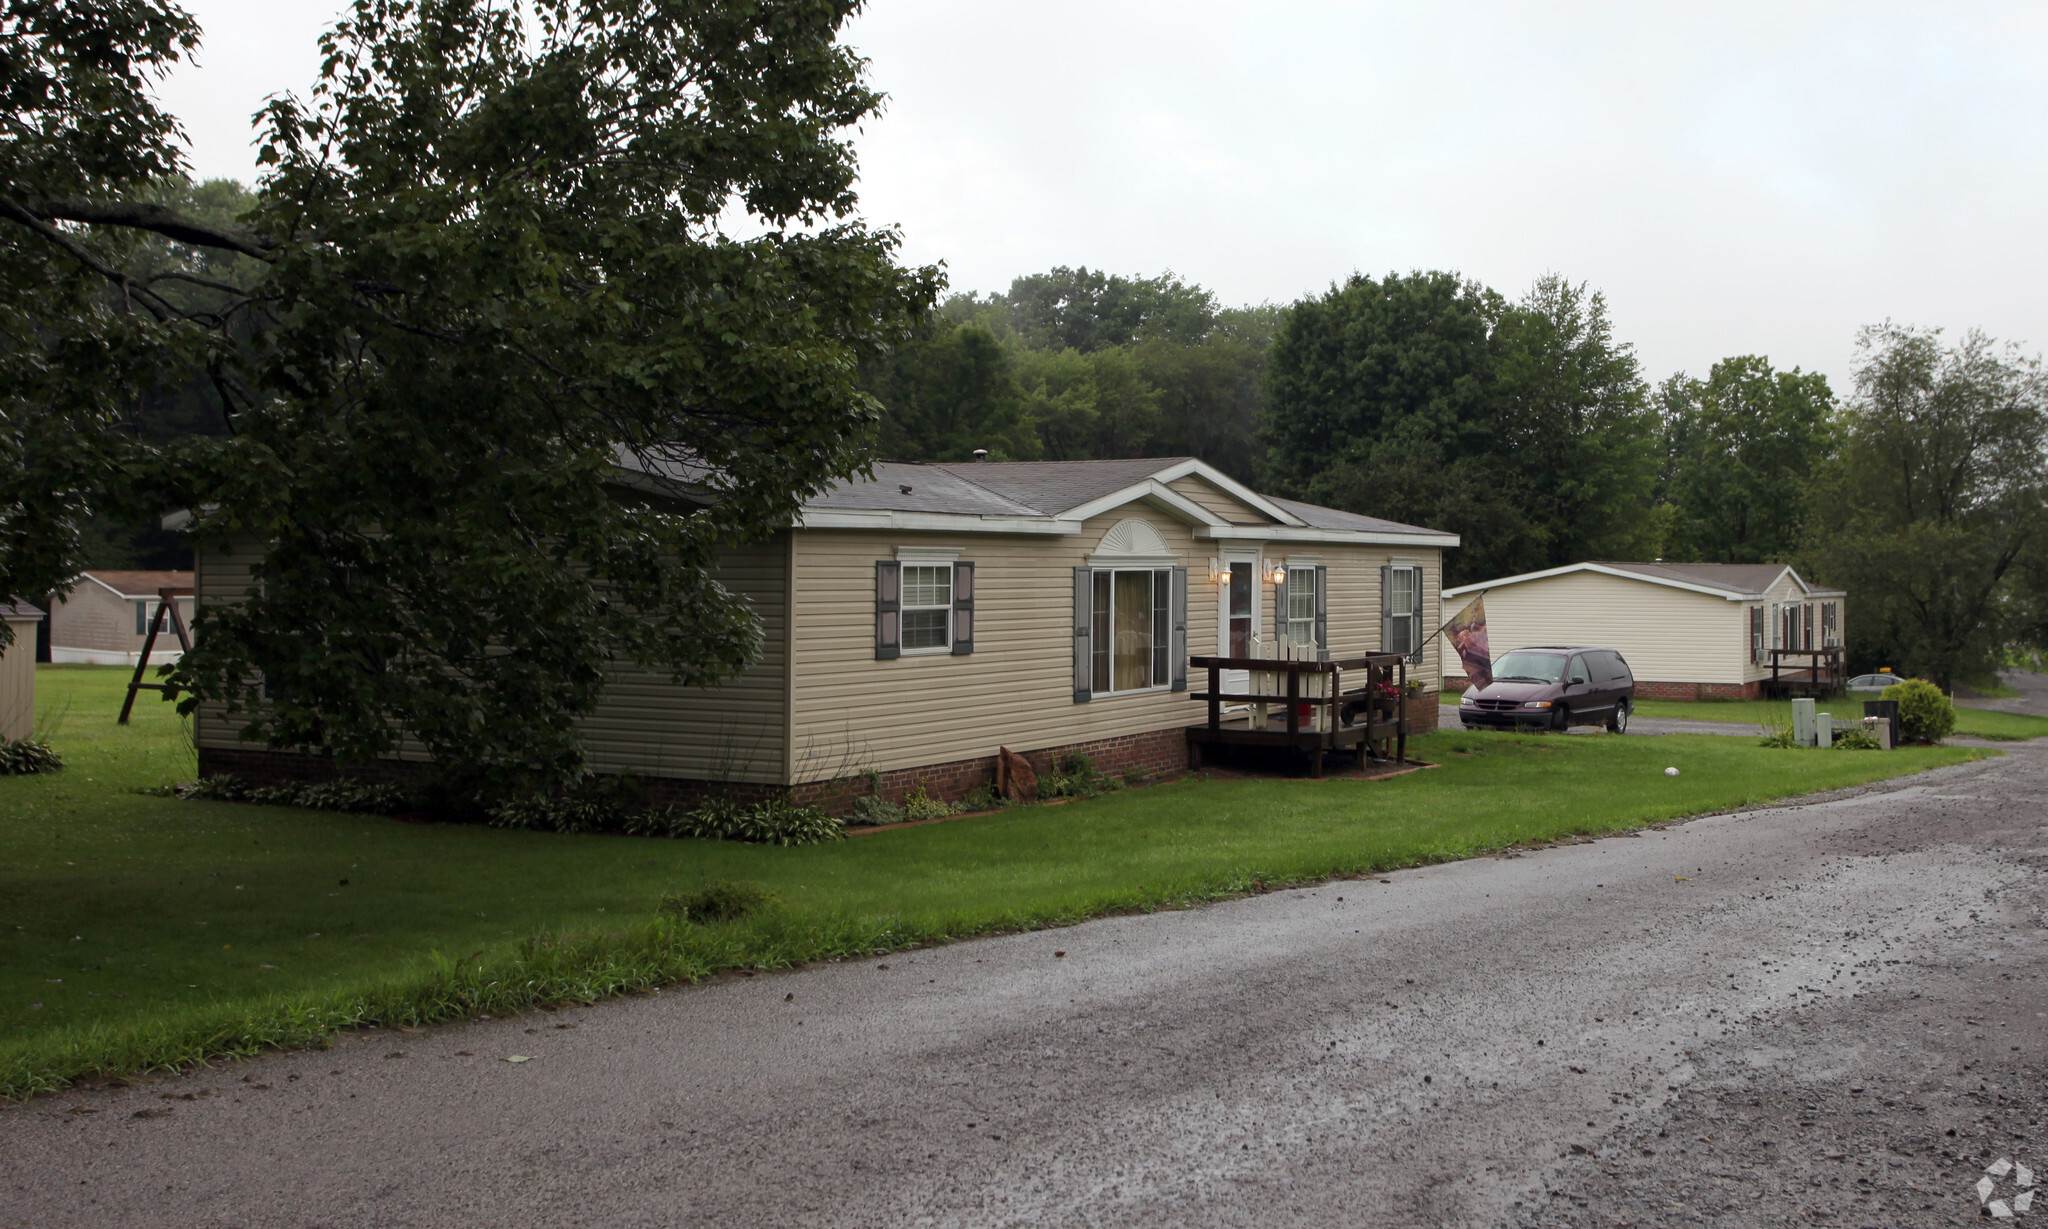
x: 1689, y: 631
x: 918, y: 621
x: 104, y: 620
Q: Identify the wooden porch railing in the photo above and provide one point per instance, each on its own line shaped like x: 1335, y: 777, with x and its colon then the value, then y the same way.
x: 1331, y: 732
x: 1823, y: 673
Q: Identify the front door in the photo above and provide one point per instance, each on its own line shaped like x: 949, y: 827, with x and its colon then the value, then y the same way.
x: 1238, y: 617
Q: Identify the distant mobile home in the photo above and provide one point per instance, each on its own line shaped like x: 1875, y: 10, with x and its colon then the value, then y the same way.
x: 104, y: 620
x: 1690, y: 631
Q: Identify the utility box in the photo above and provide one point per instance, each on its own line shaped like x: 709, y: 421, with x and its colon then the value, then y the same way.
x: 1802, y: 721
x: 1889, y: 711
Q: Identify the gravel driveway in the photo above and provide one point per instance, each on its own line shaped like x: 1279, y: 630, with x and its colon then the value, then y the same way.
x: 1825, y: 1014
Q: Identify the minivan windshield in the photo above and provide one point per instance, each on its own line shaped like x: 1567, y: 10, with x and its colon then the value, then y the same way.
x: 1522, y: 667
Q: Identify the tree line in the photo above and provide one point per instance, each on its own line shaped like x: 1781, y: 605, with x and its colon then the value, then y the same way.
x: 1526, y: 427
x: 471, y: 284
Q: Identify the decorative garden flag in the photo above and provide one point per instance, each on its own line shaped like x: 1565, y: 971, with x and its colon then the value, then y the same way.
x: 1467, y: 634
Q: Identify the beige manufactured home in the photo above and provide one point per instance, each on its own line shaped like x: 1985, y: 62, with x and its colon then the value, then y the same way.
x: 1690, y: 631
x: 918, y: 621
x: 104, y: 620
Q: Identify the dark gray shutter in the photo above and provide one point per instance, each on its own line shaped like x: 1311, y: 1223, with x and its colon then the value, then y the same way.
x: 1386, y: 608
x: 1084, y: 622
x: 1162, y: 624
x: 888, y: 609
x: 1322, y: 613
x: 1415, y: 620
x: 1180, y: 629
x: 963, y: 609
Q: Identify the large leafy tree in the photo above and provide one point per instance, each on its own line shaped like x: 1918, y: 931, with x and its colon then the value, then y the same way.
x: 1074, y: 364
x: 507, y: 255
x: 1739, y: 449
x: 1524, y: 427
x: 1938, y: 501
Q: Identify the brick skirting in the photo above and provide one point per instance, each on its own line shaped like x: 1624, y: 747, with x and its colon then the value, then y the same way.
x: 1153, y: 753
x: 1699, y: 691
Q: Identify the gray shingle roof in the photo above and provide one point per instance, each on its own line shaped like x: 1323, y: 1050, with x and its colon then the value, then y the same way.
x: 1743, y: 578
x: 1052, y: 487
x: 1038, y: 489
x: 1331, y: 518
x: 17, y: 609
x: 906, y: 486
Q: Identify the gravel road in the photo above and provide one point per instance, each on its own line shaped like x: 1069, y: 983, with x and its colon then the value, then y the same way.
x: 1824, y: 1014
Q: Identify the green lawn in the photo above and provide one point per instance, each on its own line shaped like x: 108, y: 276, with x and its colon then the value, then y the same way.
x: 1977, y: 722
x: 1981, y: 723
x: 138, y: 930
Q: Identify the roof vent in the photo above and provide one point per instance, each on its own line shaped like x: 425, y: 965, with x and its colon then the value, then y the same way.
x: 906, y: 488
x: 981, y: 454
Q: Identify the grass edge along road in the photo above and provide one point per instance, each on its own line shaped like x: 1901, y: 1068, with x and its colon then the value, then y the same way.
x: 110, y: 901
x: 1971, y: 722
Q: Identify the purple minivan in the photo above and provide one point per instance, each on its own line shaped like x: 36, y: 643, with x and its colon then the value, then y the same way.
x: 1550, y: 687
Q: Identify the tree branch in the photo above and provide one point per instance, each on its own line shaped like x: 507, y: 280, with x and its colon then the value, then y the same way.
x: 157, y: 304
x: 142, y: 215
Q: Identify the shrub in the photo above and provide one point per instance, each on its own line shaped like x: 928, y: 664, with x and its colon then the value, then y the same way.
x: 1925, y: 715
x: 23, y: 756
x: 221, y: 787
x: 341, y: 794
x: 919, y: 804
x: 775, y: 821
x: 984, y: 797
x: 1856, y: 739
x: 349, y: 794
x: 1074, y: 775
x: 715, y: 902
x: 559, y: 813
x: 1776, y: 734
x: 872, y: 811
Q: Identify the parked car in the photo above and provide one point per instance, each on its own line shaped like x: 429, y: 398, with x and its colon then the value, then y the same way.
x: 1553, y: 687
x: 1872, y: 682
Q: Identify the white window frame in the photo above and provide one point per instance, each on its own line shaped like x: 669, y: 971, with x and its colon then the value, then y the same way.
x: 1395, y: 568
x: 1301, y: 584
x: 945, y: 645
x: 1103, y: 648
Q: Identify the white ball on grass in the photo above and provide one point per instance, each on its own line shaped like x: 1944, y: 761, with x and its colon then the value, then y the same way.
x: 1670, y: 772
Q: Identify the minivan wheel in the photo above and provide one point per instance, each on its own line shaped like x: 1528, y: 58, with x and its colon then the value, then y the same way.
x: 1618, y: 723
x: 1561, y: 719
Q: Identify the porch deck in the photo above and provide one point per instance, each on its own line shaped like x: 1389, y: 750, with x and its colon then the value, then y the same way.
x: 1806, y: 672
x: 1364, y: 721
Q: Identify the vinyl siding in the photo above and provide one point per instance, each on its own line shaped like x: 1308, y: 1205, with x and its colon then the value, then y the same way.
x: 649, y: 726
x: 852, y: 712
x: 1785, y: 591
x: 90, y: 617
x: 222, y: 574
x: 1218, y: 501
x: 18, y: 682
x: 1668, y: 635
x: 645, y: 724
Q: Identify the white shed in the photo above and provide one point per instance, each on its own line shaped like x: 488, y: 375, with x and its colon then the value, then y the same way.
x: 18, y: 672
x: 1690, y: 631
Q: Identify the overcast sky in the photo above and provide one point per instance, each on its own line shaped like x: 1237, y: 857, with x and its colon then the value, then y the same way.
x: 1736, y: 177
